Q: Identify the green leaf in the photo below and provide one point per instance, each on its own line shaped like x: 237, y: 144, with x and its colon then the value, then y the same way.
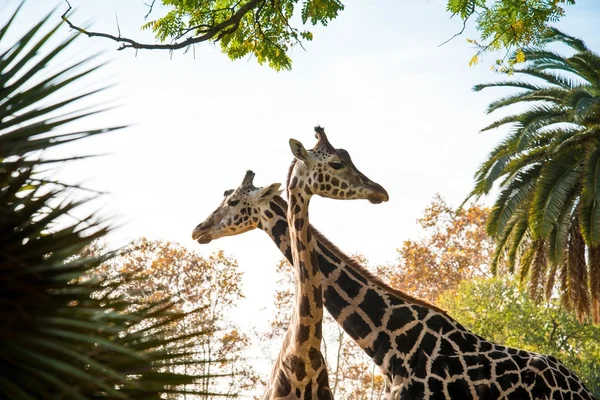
x: 590, y: 195
x: 558, y: 179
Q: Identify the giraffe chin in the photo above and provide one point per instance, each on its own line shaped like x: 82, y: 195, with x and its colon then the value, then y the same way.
x: 204, y: 239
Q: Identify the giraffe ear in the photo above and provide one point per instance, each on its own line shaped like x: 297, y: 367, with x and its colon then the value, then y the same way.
x: 299, y: 151
x: 269, y: 192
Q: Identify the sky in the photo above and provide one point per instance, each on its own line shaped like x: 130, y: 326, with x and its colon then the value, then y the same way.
x: 375, y: 78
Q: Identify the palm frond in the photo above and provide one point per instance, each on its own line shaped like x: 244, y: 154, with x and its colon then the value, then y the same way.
x: 526, y: 260
x: 556, y: 35
x: 590, y: 195
x: 516, y: 84
x: 511, y: 119
x: 587, y: 66
x: 576, y: 138
x: 518, y: 241
x: 533, y: 121
x: 542, y: 59
x: 594, y: 263
x: 555, y: 79
x: 64, y: 334
x: 558, y: 238
x: 537, y: 270
x: 577, y: 279
x: 559, y: 177
x: 511, y: 198
x: 552, y: 95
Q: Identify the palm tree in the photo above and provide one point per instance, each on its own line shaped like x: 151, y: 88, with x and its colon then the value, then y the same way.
x: 546, y: 219
x: 65, y: 332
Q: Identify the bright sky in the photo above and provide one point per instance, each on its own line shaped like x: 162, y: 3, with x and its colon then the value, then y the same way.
x: 375, y: 78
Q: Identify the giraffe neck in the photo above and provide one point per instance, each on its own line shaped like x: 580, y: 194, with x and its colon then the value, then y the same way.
x: 361, y: 304
x: 307, y: 317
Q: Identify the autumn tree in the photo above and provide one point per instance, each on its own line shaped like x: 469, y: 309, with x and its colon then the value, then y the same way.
x: 269, y: 31
x: 210, y: 286
x: 500, y: 310
x: 352, y: 374
x: 454, y: 247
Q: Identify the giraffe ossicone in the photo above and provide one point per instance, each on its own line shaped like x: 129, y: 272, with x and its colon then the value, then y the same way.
x: 421, y: 351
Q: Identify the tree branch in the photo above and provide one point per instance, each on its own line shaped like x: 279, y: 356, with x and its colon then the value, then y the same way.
x: 150, y: 6
x: 457, y: 34
x: 215, y: 32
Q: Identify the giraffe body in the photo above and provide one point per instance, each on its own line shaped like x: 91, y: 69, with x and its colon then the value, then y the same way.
x: 422, y: 352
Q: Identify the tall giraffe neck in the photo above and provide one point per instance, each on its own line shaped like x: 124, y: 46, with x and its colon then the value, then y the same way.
x: 300, y: 371
x: 307, y: 318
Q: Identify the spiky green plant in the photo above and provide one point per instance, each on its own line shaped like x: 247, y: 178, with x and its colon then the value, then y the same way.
x: 546, y: 219
x: 64, y: 334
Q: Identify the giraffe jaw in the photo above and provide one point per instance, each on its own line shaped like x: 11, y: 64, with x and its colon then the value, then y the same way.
x: 204, y: 239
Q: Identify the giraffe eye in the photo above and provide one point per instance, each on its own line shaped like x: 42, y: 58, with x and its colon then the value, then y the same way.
x: 336, y: 165
x: 233, y: 203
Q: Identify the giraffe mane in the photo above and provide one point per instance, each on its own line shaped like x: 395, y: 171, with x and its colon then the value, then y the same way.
x: 289, y: 175
x: 352, y: 263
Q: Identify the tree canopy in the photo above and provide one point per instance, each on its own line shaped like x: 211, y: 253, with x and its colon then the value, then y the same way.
x: 499, y: 310
x: 454, y: 247
x: 269, y: 30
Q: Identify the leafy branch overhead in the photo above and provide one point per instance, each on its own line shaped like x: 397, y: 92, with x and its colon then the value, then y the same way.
x: 264, y: 29
x: 256, y: 27
x: 507, y: 25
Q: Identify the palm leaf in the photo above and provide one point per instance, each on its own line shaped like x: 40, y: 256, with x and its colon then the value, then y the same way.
x: 558, y: 238
x: 519, y: 238
x: 64, y: 334
x: 587, y: 66
x: 554, y: 95
x: 558, y: 179
x: 511, y: 198
x: 577, y: 279
x: 555, y: 35
x: 551, y: 78
x: 590, y: 195
x: 537, y: 270
x: 526, y: 260
x: 594, y: 263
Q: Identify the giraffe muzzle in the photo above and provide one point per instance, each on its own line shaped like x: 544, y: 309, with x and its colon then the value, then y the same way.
x: 378, y: 195
x: 204, y: 239
x: 201, y: 235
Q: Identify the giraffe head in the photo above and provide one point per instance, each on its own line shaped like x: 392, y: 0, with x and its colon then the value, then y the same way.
x: 239, y: 211
x: 329, y: 172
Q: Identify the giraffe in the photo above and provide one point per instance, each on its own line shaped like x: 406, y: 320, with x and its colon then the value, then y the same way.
x: 300, y: 371
x: 421, y: 351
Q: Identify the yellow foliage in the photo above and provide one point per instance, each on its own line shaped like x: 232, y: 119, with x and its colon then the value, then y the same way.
x: 474, y: 60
